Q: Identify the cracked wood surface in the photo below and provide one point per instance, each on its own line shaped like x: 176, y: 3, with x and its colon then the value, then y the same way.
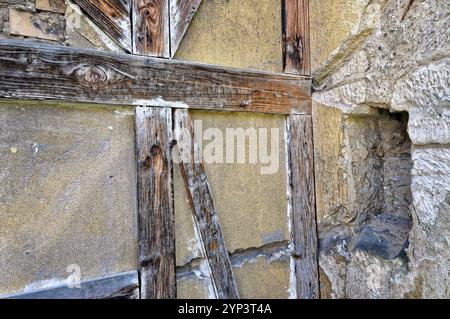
x: 156, y: 218
x: 32, y: 70
x: 302, y: 203
x: 205, y: 215
x: 296, y: 44
x: 151, y: 27
x: 181, y: 14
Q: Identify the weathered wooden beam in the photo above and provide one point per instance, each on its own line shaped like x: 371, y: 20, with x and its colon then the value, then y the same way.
x: 31, y: 70
x: 302, y: 206
x: 151, y: 27
x: 296, y: 45
x: 117, y: 286
x: 155, y: 205
x: 112, y: 17
x: 205, y: 215
x: 181, y: 14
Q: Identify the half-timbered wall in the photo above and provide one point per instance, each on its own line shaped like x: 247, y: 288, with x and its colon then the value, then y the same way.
x: 91, y: 153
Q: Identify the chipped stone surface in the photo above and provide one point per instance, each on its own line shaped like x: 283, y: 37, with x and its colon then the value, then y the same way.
x: 425, y: 94
x: 45, y: 25
x: 385, y: 236
x: 68, y: 194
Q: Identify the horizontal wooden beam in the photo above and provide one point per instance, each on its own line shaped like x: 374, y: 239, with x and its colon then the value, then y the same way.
x: 32, y: 70
x: 117, y: 286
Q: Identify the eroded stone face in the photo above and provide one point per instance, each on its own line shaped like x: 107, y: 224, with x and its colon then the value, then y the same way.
x: 68, y: 194
x: 395, y: 57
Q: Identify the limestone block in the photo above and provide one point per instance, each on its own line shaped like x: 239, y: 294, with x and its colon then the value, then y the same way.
x: 68, y: 194
x: 58, y: 6
x: 330, y: 22
x: 430, y: 183
x: 425, y: 93
x: 244, y: 34
x: 42, y: 25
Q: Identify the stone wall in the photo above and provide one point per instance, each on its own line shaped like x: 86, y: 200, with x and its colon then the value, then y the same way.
x: 381, y: 124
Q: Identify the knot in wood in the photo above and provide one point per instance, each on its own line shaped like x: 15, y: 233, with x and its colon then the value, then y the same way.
x: 92, y: 76
x: 155, y: 150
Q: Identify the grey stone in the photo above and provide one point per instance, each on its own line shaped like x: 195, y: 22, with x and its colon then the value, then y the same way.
x: 385, y: 236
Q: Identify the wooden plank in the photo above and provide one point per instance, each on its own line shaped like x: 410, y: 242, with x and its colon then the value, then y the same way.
x: 155, y: 203
x: 31, y: 70
x: 205, y: 215
x: 112, y: 17
x: 151, y: 27
x: 302, y: 206
x: 181, y: 14
x: 116, y: 286
x: 296, y: 45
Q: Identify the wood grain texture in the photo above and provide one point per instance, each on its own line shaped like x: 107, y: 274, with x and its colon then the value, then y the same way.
x: 181, y: 14
x: 151, y: 27
x: 116, y: 286
x: 112, y: 16
x: 205, y: 215
x: 302, y: 205
x: 296, y: 43
x: 155, y: 203
x: 31, y: 70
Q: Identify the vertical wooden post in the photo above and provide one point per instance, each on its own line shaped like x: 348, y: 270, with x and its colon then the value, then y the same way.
x: 296, y: 47
x: 155, y: 206
x: 205, y: 214
x: 302, y: 205
x: 151, y: 27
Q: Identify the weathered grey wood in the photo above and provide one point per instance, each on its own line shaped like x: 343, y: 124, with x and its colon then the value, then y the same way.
x: 155, y: 205
x: 205, y: 215
x: 151, y: 27
x: 181, y: 14
x: 112, y: 17
x: 302, y: 206
x: 118, y: 286
x: 296, y: 41
x: 31, y: 70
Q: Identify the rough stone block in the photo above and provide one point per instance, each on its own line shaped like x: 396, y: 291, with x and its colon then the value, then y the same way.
x: 42, y: 25
x: 385, y: 236
x: 68, y: 194
x: 58, y: 6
